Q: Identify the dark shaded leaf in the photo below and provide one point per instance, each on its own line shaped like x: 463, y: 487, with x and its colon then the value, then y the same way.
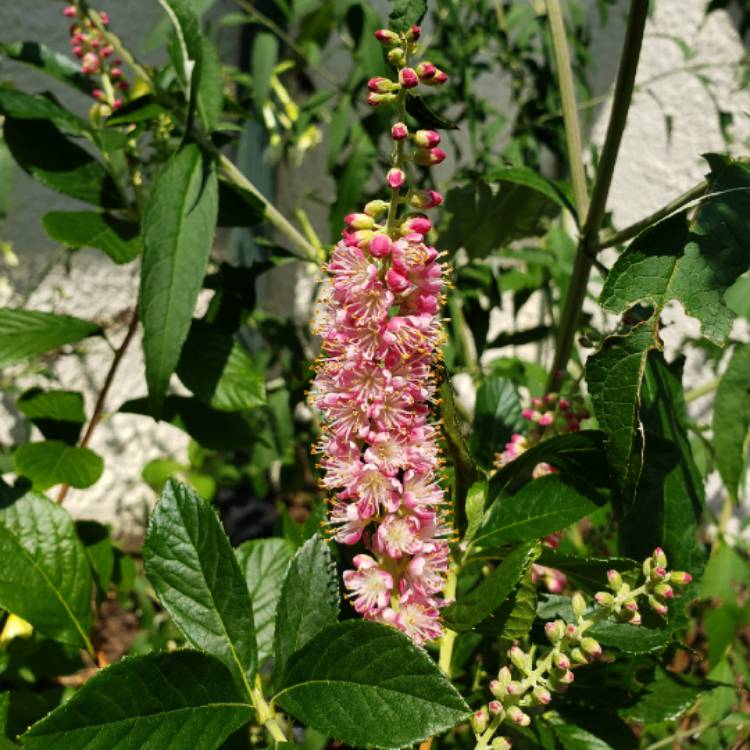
x: 48, y: 61
x: 425, y: 116
x: 59, y: 415
x: 238, y: 208
x: 405, y: 13
x: 142, y: 109
x: 497, y: 415
x: 22, y: 106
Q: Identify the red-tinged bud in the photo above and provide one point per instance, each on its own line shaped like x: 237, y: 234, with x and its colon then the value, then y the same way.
x: 399, y: 131
x: 425, y: 71
x: 78, y: 52
x: 108, y: 50
x: 542, y: 695
x: 528, y: 414
x: 479, y: 720
x: 555, y: 631
x: 375, y: 100
x: 659, y: 557
x: 359, y: 221
x: 419, y: 224
x: 659, y: 607
x: 123, y: 85
x: 497, y: 689
x: 438, y: 78
x: 495, y: 707
x: 98, y: 94
x: 76, y: 37
x: 546, y: 419
x: 615, y: 580
x: 414, y: 33
x: 429, y: 157
x: 116, y: 104
x: 636, y: 619
x: 396, y: 282
x: 680, y: 577
x: 116, y: 73
x: 514, y: 688
x: 104, y: 17
x: 380, y: 246
x: 571, y: 631
x: 501, y: 743
x: 425, y: 199
x: 380, y: 85
x: 90, y: 63
x: 408, y: 78
x: 387, y: 37
x: 396, y: 56
x: 376, y: 208
x: 566, y: 678
x: 426, y: 138
x: 69, y: 11
x: 95, y: 43
x: 658, y: 573
x: 560, y: 660
x: 603, y: 598
x: 631, y: 605
x: 518, y: 717
x: 396, y: 178
x: 573, y: 425
x: 591, y: 647
x: 664, y: 590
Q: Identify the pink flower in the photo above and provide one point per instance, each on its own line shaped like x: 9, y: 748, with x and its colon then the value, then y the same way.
x: 399, y: 131
x: 370, y: 585
x: 395, y: 178
x: 408, y: 78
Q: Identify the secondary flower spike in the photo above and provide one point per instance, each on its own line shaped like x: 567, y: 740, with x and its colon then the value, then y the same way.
x: 375, y: 385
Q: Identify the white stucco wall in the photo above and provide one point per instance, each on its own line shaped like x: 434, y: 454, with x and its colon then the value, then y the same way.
x: 653, y: 168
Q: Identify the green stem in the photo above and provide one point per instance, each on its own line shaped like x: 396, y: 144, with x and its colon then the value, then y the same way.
x: 702, y: 390
x: 449, y: 636
x: 265, y: 713
x: 397, y: 162
x: 587, y: 242
x: 618, y: 238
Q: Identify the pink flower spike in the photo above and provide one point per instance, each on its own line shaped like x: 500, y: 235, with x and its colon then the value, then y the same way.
x: 370, y: 585
x: 408, y: 78
x: 396, y: 178
x: 399, y: 131
x: 69, y: 11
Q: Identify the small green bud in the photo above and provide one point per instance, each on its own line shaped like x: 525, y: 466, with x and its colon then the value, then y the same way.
x: 647, y: 565
x: 542, y: 696
x: 615, y: 580
x: 555, y: 631
x: 603, y: 598
x: 659, y: 607
x: 479, y: 720
x: 660, y: 558
x: 578, y: 656
x: 396, y: 56
x: 578, y: 602
x: 664, y: 590
x: 560, y: 660
x: 500, y: 743
x: 504, y: 677
x: 680, y: 577
x: 591, y: 647
x: 376, y: 208
x: 518, y: 717
x: 520, y: 659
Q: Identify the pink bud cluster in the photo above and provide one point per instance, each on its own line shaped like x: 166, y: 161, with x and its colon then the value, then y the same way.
x: 91, y: 47
x: 375, y: 385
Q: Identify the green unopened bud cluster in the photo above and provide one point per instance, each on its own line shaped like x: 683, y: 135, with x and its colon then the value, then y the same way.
x: 529, y: 679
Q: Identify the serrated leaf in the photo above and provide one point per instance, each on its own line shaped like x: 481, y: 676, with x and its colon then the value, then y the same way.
x: 40, y: 149
x: 695, y: 263
x: 99, y: 550
x: 178, y: 701
x: 731, y: 420
x: 590, y: 573
x: 22, y: 106
x: 264, y: 563
x: 405, y: 13
x: 193, y: 569
x: 497, y: 415
x: 557, y: 191
x: 219, y: 371
x: 665, y: 699
x: 309, y: 601
x: 52, y: 462
x: 542, y: 506
x: 368, y: 685
x: 473, y: 607
x: 29, y: 333
x: 178, y: 229
x: 46, y: 60
x: 614, y: 375
x: 117, y: 238
x: 572, y: 737
x: 45, y: 578
x: 515, y: 616
x: 263, y: 59
x: 631, y: 639
x: 59, y: 415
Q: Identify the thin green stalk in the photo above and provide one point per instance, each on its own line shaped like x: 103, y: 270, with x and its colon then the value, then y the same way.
x: 265, y: 713
x: 702, y: 390
x: 571, y: 313
x: 448, y: 639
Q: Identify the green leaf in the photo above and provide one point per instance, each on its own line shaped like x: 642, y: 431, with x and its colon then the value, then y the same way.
x: 477, y: 604
x: 263, y: 57
x: 45, y: 578
x: 665, y: 699
x: 497, y: 415
x: 264, y: 563
x: 198, y: 580
x: 117, y: 238
x: 210, y: 91
x: 694, y: 264
x: 219, y: 371
x: 48, y: 61
x: 239, y: 208
x: 99, y: 550
x: 178, y: 701
x: 211, y: 428
x: 482, y: 217
x: 515, y: 616
x: 189, y: 42
x: 22, y: 106
x: 726, y: 572
x: 142, y: 109
x: 614, y: 375
x: 476, y: 500
x: 49, y: 157
x: 668, y: 507
x: 589, y: 573
x: 309, y: 601
x: 557, y: 191
x: 425, y: 116
x: 59, y: 415
x: 405, y: 13
x: 368, y: 685
x: 29, y: 333
x: 52, y: 462
x: 178, y: 229
x: 631, y: 639
x: 732, y: 419
x: 572, y: 737
x: 542, y: 506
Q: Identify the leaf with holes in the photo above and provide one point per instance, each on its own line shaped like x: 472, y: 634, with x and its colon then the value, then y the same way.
x: 368, y: 685
x: 191, y: 565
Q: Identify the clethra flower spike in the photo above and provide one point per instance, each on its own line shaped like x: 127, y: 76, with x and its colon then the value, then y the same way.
x: 374, y: 386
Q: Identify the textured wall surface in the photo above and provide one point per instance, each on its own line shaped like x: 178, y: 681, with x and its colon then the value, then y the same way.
x: 673, y: 120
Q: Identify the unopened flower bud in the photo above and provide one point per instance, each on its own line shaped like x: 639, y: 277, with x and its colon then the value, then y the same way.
x: 116, y: 104
x: 518, y: 717
x: 399, y: 131
x: 376, y: 208
x: 479, y: 720
x: 375, y: 100
x: 603, y: 598
x: 429, y: 157
x: 387, y: 37
x: 497, y: 689
x: 359, y: 221
x: 380, y: 246
x: 414, y: 33
x: 396, y: 56
x: 578, y: 603
x: 514, y: 688
x: 520, y: 658
x: 504, y: 677
x: 69, y: 11
x: 408, y: 78
x: 615, y: 580
x: 108, y: 50
x: 635, y: 618
x: 659, y: 607
x: 647, y: 565
x: 660, y: 558
x: 98, y: 94
x: 396, y: 178
x: 437, y: 79
x: 571, y: 631
x: 578, y: 657
x: 495, y: 707
x: 555, y: 631
x: 501, y: 743
x: 566, y: 678
x: 426, y: 138
x: 591, y: 647
x: 680, y: 577
x: 560, y: 660
x: 425, y: 71
x: 664, y: 590
x: 396, y: 282
x: 78, y: 51
x: 542, y: 695
x: 381, y: 85
x: 425, y: 199
x: 104, y: 17
x: 419, y: 224
x: 631, y: 605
